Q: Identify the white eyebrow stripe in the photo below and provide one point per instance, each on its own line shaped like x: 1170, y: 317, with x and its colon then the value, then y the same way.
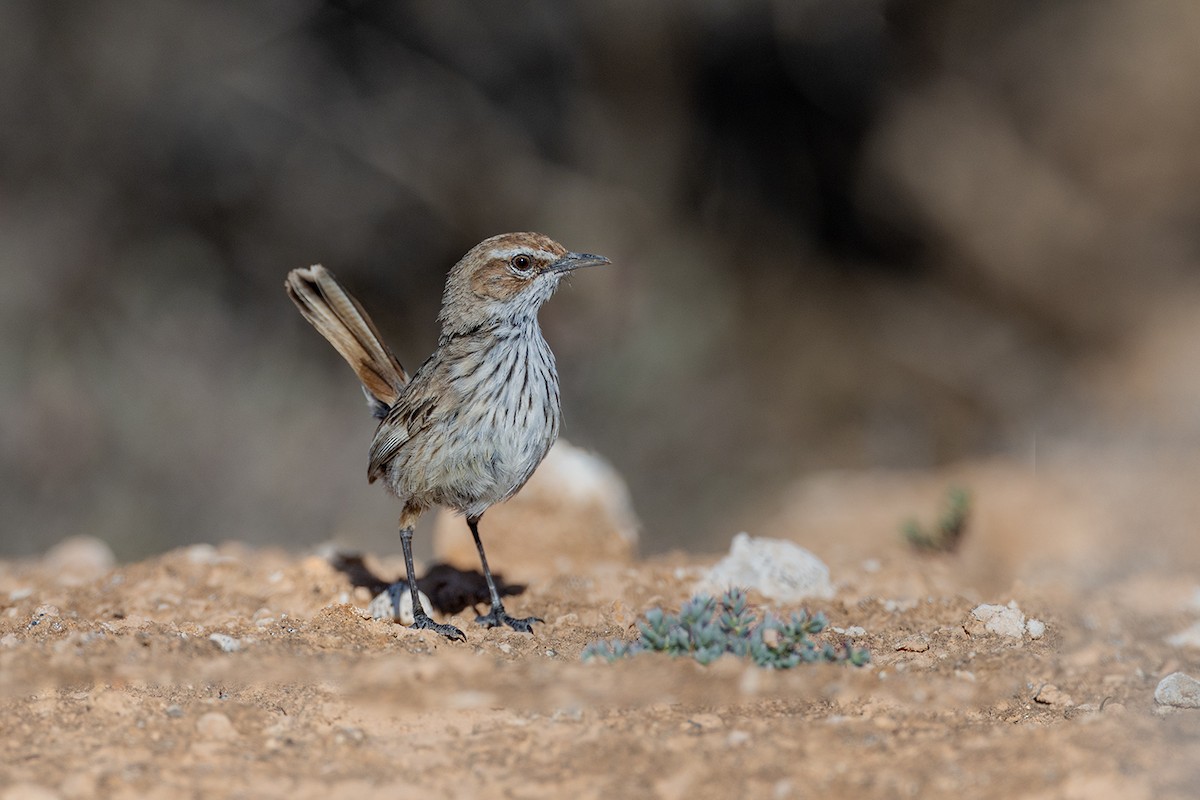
x: 509, y: 252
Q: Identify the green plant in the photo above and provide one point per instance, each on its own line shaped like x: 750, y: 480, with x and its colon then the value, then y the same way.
x: 707, y: 629
x: 950, y: 528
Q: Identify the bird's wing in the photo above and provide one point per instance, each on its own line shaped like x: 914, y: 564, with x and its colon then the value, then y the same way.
x: 422, y: 405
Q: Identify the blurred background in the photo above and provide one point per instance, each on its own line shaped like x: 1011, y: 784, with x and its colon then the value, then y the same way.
x: 846, y: 234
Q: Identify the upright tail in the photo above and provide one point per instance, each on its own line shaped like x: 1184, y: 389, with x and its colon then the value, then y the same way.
x: 340, y: 319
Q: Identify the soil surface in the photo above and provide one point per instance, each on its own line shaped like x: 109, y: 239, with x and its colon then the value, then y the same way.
x: 112, y: 682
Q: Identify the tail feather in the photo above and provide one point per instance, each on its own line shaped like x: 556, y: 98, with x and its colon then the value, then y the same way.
x: 341, y: 319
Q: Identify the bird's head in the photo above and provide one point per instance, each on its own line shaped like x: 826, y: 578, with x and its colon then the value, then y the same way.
x: 506, y: 278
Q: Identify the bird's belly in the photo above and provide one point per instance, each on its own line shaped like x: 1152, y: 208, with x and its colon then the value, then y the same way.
x: 472, y: 466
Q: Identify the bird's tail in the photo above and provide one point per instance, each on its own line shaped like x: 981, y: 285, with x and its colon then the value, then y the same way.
x: 341, y: 319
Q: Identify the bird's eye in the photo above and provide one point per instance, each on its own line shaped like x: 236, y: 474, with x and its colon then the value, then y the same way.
x: 521, y: 263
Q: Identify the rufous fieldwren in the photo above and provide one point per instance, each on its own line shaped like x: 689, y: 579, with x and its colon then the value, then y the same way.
x: 473, y: 422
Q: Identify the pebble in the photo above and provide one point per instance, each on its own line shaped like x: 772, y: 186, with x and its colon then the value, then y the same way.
x: 1001, y: 620
x: 917, y: 643
x: 777, y: 569
x: 1179, y: 690
x: 79, y: 559
x: 226, y: 643
x: 1051, y: 695
x: 1035, y: 628
x: 383, y: 606
x: 202, y: 553
x: 45, y: 610
x: 216, y: 727
x: 1186, y: 638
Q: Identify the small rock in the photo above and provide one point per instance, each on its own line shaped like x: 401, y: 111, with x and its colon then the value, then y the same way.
x: 78, y: 559
x: 1035, y: 628
x: 216, y: 727
x: 383, y: 606
x: 202, y: 554
x: 1179, y: 690
x: 1189, y: 637
x: 9, y: 640
x: 45, y: 610
x: 226, y: 642
x: 1001, y: 620
x: 1051, y: 695
x: 737, y: 738
x: 174, y: 711
x: 917, y: 643
x: 349, y: 735
x: 777, y: 569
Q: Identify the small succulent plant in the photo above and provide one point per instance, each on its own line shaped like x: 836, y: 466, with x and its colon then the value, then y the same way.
x: 707, y: 628
x: 950, y: 529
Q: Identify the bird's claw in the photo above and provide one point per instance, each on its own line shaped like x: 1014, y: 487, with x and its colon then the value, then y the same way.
x: 498, y: 616
x: 425, y: 623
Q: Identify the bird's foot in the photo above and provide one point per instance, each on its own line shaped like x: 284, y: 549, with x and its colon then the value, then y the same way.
x: 425, y: 623
x: 498, y: 616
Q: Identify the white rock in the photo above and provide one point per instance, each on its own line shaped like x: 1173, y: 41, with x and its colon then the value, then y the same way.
x: 215, y: 726
x: 1001, y: 620
x: 1035, y: 628
x: 1179, y: 690
x: 79, y: 559
x: 226, y: 642
x: 202, y: 553
x: 775, y: 568
x: 1186, y: 638
x: 383, y: 606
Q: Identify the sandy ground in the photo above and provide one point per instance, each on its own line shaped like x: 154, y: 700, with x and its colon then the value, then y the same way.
x: 112, y: 686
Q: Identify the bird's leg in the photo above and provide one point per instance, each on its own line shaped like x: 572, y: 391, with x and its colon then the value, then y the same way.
x: 421, y: 620
x: 497, y: 616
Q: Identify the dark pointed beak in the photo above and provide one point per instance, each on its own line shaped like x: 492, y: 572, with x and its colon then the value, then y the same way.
x: 572, y: 261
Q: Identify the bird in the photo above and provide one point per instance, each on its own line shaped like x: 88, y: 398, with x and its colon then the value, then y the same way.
x: 469, y: 427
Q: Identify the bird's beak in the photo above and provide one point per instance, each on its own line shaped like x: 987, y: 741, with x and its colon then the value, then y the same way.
x: 572, y: 261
